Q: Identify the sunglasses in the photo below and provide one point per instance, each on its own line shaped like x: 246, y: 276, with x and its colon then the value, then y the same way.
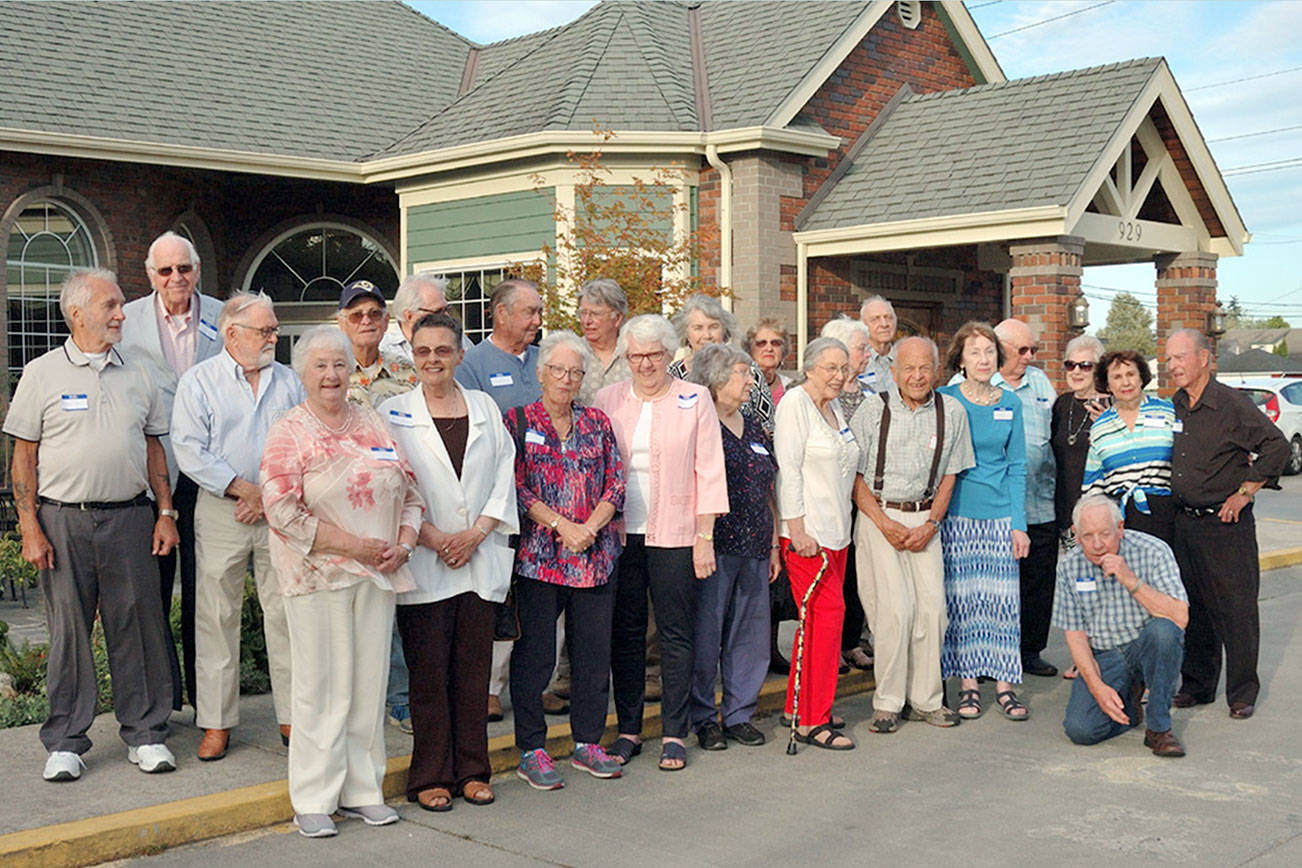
x: 1028, y: 351
x: 1084, y: 366
x: 166, y: 270
x: 374, y: 314
x: 776, y: 342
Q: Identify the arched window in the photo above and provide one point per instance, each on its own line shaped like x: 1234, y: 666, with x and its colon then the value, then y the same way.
x: 46, y: 241
x: 310, y: 264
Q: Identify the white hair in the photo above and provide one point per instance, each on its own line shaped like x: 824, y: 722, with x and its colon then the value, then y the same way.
x: 78, y: 287
x: 844, y: 329
x: 712, y: 308
x: 604, y: 290
x: 408, y: 295
x: 171, y: 236
x: 1199, y: 339
x: 935, y: 350
x: 817, y: 348
x: 1085, y: 342
x: 876, y: 299
x: 567, y: 340
x: 647, y: 328
x: 713, y: 363
x: 322, y: 337
x: 1090, y: 501
x: 237, y: 304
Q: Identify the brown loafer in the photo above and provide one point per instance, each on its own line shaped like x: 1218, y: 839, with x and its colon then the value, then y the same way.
x: 553, y: 704
x: 284, y: 734
x: 477, y: 793
x: 437, y: 799
x: 1163, y: 743
x: 213, y: 745
x: 494, y: 709
x: 1187, y: 700
x: 1242, y: 710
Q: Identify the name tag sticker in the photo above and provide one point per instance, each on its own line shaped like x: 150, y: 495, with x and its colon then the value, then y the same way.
x: 931, y: 444
x: 207, y: 329
x: 1178, y: 426
x: 1003, y: 414
x: 401, y: 419
x: 868, y: 375
x: 534, y: 437
x: 1039, y: 400
x: 687, y: 402
x: 847, y: 435
x: 74, y: 402
x: 384, y: 453
x: 1154, y: 422
x: 759, y: 449
x: 499, y: 380
x: 1086, y: 585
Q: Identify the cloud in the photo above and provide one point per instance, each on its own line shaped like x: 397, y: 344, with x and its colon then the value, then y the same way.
x: 494, y: 20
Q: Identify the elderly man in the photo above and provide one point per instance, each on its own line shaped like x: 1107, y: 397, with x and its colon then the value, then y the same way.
x: 1037, y: 569
x: 879, y: 315
x: 86, y: 423
x: 223, y: 410
x: 363, y: 316
x: 1124, y: 610
x: 1214, y: 477
x: 914, y: 442
x: 168, y: 331
x: 603, y: 307
x: 419, y: 295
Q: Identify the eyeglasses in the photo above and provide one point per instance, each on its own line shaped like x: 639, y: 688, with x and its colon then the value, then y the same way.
x: 776, y: 343
x: 588, y: 313
x: 1084, y: 366
x: 1028, y: 351
x: 266, y: 332
x: 558, y: 372
x: 375, y: 314
x: 443, y: 351
x: 830, y: 370
x: 166, y: 270
x: 431, y: 312
x: 638, y: 359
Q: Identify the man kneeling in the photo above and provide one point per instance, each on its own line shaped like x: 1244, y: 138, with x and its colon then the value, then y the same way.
x: 1120, y: 600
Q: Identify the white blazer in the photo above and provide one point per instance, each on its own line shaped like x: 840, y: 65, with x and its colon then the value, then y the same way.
x: 141, y: 342
x: 486, y: 487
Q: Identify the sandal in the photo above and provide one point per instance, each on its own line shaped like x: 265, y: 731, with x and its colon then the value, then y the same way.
x: 884, y: 722
x: 833, y: 740
x: 624, y: 749
x: 477, y: 793
x: 437, y: 799
x: 835, y: 721
x: 1070, y: 672
x: 1011, y: 704
x: 969, y: 699
x: 673, y: 757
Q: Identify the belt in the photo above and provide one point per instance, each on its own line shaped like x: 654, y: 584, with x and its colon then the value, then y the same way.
x: 909, y: 506
x: 1200, y: 511
x: 140, y: 499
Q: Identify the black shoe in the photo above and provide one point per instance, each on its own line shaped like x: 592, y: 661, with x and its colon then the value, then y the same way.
x: 1037, y: 665
x: 1188, y: 700
x: 778, y: 664
x: 745, y: 733
x: 711, y: 737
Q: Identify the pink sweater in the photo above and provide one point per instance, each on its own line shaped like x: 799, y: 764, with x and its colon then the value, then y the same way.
x: 687, y: 472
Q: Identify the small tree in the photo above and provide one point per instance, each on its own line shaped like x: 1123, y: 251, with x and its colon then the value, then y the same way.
x: 624, y: 232
x: 1129, y: 326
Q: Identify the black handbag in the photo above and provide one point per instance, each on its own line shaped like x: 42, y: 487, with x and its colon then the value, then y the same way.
x: 506, y: 625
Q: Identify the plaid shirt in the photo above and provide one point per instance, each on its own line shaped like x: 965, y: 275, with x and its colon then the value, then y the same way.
x: 910, y: 444
x: 1085, y: 599
x: 1037, y: 396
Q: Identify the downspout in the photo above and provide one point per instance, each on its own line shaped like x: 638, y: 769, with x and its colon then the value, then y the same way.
x: 725, y: 221
x: 802, y: 302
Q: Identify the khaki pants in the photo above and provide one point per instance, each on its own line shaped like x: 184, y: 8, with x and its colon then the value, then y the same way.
x: 903, y: 595
x: 222, y: 547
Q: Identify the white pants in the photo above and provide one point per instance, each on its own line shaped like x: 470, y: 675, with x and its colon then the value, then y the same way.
x: 340, y: 647
x: 499, y: 677
x: 222, y: 549
x: 903, y: 595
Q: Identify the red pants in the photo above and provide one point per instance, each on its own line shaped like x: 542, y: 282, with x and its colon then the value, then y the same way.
x: 823, y: 616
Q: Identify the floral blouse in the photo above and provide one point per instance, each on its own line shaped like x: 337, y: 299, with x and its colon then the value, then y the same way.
x: 355, y: 479
x: 571, y: 478
x: 747, y: 530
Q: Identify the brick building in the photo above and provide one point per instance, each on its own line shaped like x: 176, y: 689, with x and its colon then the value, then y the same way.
x: 841, y: 148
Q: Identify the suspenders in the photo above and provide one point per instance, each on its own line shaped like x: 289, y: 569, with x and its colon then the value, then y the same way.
x: 879, y: 474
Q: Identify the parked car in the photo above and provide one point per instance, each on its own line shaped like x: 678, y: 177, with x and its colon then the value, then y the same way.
x: 1280, y: 398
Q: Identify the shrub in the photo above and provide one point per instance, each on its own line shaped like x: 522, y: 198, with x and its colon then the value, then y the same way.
x: 12, y: 566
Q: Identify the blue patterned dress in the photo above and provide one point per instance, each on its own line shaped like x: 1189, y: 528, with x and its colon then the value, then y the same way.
x: 982, y: 588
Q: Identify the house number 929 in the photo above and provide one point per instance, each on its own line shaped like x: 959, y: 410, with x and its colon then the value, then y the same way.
x: 1128, y: 231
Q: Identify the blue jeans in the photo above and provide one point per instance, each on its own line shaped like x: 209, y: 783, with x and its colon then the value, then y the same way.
x: 397, y: 691
x: 1153, y: 660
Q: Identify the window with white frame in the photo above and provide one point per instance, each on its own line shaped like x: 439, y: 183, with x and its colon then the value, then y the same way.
x: 468, y: 292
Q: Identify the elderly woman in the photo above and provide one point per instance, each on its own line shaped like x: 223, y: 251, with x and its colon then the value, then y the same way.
x: 767, y: 342
x: 854, y: 335
x: 1129, y: 456
x: 603, y: 307
x: 344, y: 512
x: 464, y: 460
x: 984, y: 532
x: 702, y: 320
x: 817, y: 458
x: 669, y: 442
x: 569, y: 483
x: 1073, y: 413
x: 732, y: 612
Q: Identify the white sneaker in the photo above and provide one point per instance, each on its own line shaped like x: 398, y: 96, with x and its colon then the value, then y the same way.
x: 63, y: 765
x: 152, y: 758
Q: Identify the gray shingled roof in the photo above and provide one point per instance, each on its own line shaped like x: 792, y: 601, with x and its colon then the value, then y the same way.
x: 1015, y: 144
x: 316, y: 79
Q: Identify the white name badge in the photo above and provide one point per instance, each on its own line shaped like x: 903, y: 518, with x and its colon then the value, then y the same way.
x: 847, y: 435
x: 759, y: 449
x: 1003, y: 414
x: 1154, y: 422
x: 1086, y: 585
x: 1178, y: 426
x: 384, y: 453
x: 74, y: 402
x: 534, y: 437
x: 501, y: 379
x: 207, y: 329
x: 1042, y: 401
x: 687, y: 402
x: 867, y: 376
x: 931, y: 444
x: 401, y: 419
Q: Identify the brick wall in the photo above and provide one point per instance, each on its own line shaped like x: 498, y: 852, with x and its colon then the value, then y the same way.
x: 1045, y: 279
x: 1186, y: 294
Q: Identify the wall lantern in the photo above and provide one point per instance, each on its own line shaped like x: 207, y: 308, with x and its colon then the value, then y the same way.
x: 1216, y: 321
x: 1078, y: 314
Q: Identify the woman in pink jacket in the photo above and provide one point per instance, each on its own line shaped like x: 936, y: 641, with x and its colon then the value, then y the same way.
x: 668, y: 436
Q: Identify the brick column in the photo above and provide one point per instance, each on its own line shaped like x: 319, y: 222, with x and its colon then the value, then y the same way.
x: 1045, y: 277
x: 1186, y: 294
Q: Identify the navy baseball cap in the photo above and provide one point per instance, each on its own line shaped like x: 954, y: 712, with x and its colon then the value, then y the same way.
x: 358, y: 289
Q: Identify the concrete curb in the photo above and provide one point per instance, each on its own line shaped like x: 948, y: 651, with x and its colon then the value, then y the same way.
x: 151, y: 830
x: 1280, y: 558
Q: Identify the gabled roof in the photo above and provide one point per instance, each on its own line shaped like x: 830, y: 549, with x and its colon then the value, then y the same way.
x: 1255, y: 362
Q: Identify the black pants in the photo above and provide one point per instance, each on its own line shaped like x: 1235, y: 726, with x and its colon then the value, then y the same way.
x: 1160, y: 520
x: 1039, y: 571
x: 1218, y: 563
x: 183, y: 499
x: 672, y: 579
x: 852, y: 627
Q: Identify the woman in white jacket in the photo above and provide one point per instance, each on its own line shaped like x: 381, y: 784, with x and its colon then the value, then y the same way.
x: 464, y: 461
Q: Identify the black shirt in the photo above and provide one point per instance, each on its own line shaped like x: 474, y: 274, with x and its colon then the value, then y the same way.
x: 1070, y: 417
x: 1214, y: 442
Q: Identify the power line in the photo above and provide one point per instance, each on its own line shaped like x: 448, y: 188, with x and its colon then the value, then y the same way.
x: 1245, y: 78
x: 984, y: 5
x: 1257, y: 133
x: 1255, y: 168
x: 1051, y: 20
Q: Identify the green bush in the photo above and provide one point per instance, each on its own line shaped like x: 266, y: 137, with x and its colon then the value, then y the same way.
x: 12, y: 566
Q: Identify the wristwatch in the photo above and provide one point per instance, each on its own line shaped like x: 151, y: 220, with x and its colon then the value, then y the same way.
x: 708, y: 537
x: 1243, y: 490
x: 169, y: 513
x: 933, y: 523
x: 556, y: 522
x: 1135, y: 590
x: 408, y: 548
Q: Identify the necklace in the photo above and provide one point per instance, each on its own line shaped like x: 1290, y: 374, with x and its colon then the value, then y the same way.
x: 988, y: 394
x: 348, y: 420
x: 1071, y: 438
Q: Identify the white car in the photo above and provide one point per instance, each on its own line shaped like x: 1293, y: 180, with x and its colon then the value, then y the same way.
x: 1280, y: 398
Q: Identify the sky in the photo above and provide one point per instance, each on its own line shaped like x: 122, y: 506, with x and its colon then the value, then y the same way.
x: 1239, y: 65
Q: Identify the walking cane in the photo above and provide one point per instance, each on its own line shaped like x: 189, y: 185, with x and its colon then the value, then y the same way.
x: 800, y: 650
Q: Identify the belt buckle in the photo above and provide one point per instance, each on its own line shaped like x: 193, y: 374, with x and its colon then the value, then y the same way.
x: 84, y: 507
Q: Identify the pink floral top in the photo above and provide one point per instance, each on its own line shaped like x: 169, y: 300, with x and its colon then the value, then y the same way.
x: 355, y: 479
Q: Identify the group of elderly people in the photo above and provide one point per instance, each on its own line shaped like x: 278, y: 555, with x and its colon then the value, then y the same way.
x: 556, y: 495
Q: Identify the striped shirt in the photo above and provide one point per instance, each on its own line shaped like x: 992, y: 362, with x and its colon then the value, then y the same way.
x: 1130, y: 464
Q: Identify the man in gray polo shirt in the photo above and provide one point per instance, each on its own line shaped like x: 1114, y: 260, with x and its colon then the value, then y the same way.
x: 86, y: 424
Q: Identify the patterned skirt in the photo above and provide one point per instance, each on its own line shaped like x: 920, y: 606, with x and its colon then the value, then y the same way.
x: 983, y: 598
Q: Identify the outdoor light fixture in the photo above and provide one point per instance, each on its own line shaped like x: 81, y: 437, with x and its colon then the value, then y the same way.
x: 1216, y: 321
x: 1078, y: 314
